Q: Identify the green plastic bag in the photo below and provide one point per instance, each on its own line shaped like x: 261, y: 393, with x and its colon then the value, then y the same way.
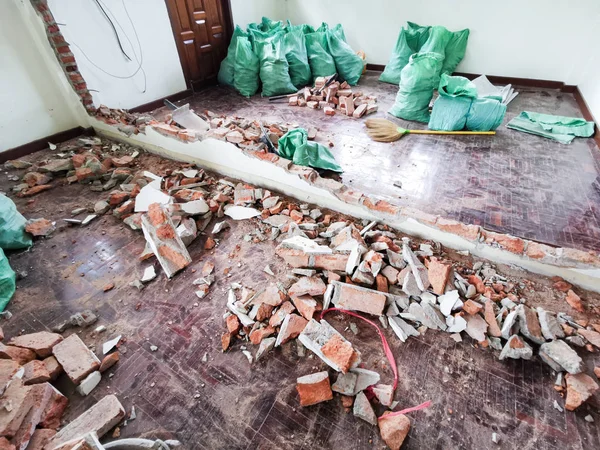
x: 246, y: 68
x: 486, y: 114
x: 560, y: 128
x: 274, y: 68
x: 450, y: 110
x: 455, y: 50
x: 227, y: 70
x: 295, y: 145
x: 406, y: 45
x: 321, y: 62
x: 418, y: 80
x: 7, y: 281
x: 348, y: 64
x: 12, y: 226
x: 297, y: 58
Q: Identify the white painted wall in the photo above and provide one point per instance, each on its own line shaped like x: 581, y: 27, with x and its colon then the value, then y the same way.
x: 590, y: 86
x: 527, y: 39
x: 32, y: 106
x: 249, y: 11
x: 83, y: 24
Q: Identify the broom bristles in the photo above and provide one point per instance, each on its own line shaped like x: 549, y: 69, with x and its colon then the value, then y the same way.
x: 383, y: 130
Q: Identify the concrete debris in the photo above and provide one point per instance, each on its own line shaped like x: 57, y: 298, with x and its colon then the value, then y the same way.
x: 345, y: 383
x: 384, y: 393
x: 329, y: 345
x: 365, y: 378
x: 266, y: 345
x: 516, y: 348
x: 40, y: 227
x: 148, y: 275
x: 363, y: 409
x: 314, y: 388
x: 402, y: 329
x: 150, y: 194
x: 109, y: 345
x: 563, y: 355
x: 89, y: 383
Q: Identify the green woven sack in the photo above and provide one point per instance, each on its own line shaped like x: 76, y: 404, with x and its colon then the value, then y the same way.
x: 450, y: 110
x: 295, y: 145
x: 349, y: 65
x: 227, y: 69
x: 7, y: 281
x: 321, y: 62
x: 297, y: 58
x: 247, y: 68
x: 274, y: 68
x: 12, y: 226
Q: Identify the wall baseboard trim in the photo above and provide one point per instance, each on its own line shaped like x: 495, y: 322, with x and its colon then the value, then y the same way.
x: 41, y: 144
x: 585, y: 110
x: 150, y: 106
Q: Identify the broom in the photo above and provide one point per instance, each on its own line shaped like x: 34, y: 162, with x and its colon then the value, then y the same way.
x: 383, y: 130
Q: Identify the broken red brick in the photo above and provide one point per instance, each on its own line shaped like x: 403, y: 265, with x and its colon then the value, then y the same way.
x: 36, y: 178
x: 291, y: 328
x: 393, y: 429
x: 109, y: 360
x: 575, y: 301
x: 305, y: 305
x: 307, y: 286
x: 209, y: 244
x: 35, y: 372
x: 471, y: 307
x: 356, y: 298
x: 271, y: 296
x: 512, y: 244
x: 39, y: 227
x: 314, y: 388
x: 117, y: 197
x: 259, y: 334
x: 490, y: 318
x: 108, y: 287
x: 233, y: 324
x: 340, y: 352
x: 295, y: 258
x: 535, y: 250
x: 469, y: 232
x: 123, y: 161
x: 561, y: 285
x: 477, y: 282
x: 381, y: 206
x: 264, y: 312
x: 225, y: 341
x: 40, y: 342
x: 438, y: 274
x: 76, y: 359
x: 580, y: 387
x: 381, y: 283
x: 334, y: 261
x: 38, y: 440
x: 18, y: 354
x: 34, y: 190
x: 279, y: 316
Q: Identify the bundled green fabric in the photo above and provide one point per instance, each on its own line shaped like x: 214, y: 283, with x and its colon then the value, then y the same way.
x: 485, y: 114
x: 7, y: 281
x: 560, y: 128
x: 321, y: 62
x: 246, y: 68
x: 295, y: 145
x: 348, y: 64
x: 417, y: 82
x: 297, y: 58
x: 274, y: 68
x: 12, y: 226
x: 227, y: 70
x: 450, y: 110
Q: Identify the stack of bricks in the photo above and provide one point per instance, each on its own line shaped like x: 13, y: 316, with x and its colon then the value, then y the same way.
x: 64, y: 55
x: 336, y: 96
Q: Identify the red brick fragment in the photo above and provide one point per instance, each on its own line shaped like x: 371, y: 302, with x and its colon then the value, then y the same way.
x: 313, y: 389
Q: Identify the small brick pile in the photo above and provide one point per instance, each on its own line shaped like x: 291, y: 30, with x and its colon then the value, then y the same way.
x: 32, y: 407
x: 335, y: 97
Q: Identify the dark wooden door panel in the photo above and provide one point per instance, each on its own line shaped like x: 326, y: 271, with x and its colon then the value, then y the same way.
x: 202, y: 30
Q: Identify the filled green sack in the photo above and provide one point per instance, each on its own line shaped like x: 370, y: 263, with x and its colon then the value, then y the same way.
x: 338, y: 31
x: 418, y: 80
x: 417, y: 34
x: 269, y: 24
x: 12, y: 226
x: 559, y: 128
x: 349, y: 65
x: 455, y: 50
x: 321, y: 62
x: 406, y: 45
x: 274, y: 68
x: 295, y: 145
x: 450, y: 110
x: 7, y: 281
x: 297, y: 57
x: 246, y: 68
x: 227, y: 70
x: 486, y: 114
x: 439, y: 37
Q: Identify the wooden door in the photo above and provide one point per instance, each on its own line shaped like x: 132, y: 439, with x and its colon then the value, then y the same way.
x: 202, y: 30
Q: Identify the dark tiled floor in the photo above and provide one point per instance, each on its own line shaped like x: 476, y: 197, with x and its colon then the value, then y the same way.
x: 513, y: 183
x: 256, y: 407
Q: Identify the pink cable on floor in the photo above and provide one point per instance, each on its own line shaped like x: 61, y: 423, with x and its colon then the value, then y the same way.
x: 388, y: 353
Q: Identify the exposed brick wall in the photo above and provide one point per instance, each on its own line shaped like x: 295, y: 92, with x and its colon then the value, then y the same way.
x: 64, y: 55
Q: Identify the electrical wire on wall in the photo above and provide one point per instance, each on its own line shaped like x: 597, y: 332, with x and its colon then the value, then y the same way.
x: 138, y: 59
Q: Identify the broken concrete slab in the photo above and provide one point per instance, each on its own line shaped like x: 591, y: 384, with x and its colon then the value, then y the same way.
x: 363, y: 409
x: 41, y: 342
x: 75, y: 358
x: 580, y: 388
x: 150, y: 194
x: 266, y: 345
x: 402, y: 329
x: 509, y: 322
x: 306, y: 245
x: 516, y: 348
x: 314, y: 388
x: 456, y: 324
x: 561, y: 353
x: 241, y: 212
x: 357, y: 298
x: 434, y: 315
x: 529, y: 324
x: 100, y: 418
x: 89, y: 383
x: 551, y: 329
x: 345, y: 383
x: 449, y: 302
x: 365, y: 378
x: 164, y: 241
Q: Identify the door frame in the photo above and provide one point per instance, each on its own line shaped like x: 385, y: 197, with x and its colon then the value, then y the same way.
x: 176, y: 30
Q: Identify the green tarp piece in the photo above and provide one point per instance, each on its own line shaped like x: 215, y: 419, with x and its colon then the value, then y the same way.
x: 274, y: 68
x: 349, y: 65
x: 7, y: 281
x: 295, y: 145
x: 321, y: 62
x: 450, y: 110
x: 12, y: 226
x: 419, y: 78
x: 485, y: 114
x: 246, y: 68
x: 560, y: 128
x: 226, y: 71
x: 297, y: 57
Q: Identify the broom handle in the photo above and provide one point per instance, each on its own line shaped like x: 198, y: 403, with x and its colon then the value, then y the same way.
x: 450, y: 132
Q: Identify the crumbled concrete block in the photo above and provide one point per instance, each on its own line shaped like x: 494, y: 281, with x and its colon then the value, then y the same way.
x: 357, y: 298
x: 580, y: 388
x: 507, y: 326
x: 266, y: 345
x: 402, y: 329
x: 100, y: 418
x: 35, y: 372
x: 456, y: 324
x: 365, y: 378
x: 449, y: 302
x: 529, y: 324
x: 314, y: 388
x: 345, y: 383
x: 41, y: 342
x: 516, y: 348
x: 291, y: 328
x: 384, y: 393
x: 89, y: 383
x: 363, y: 409
x: 563, y: 355
x: 164, y: 241
x: 18, y: 354
x: 75, y: 358
x: 434, y: 315
x: 393, y: 429
x: 551, y: 329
